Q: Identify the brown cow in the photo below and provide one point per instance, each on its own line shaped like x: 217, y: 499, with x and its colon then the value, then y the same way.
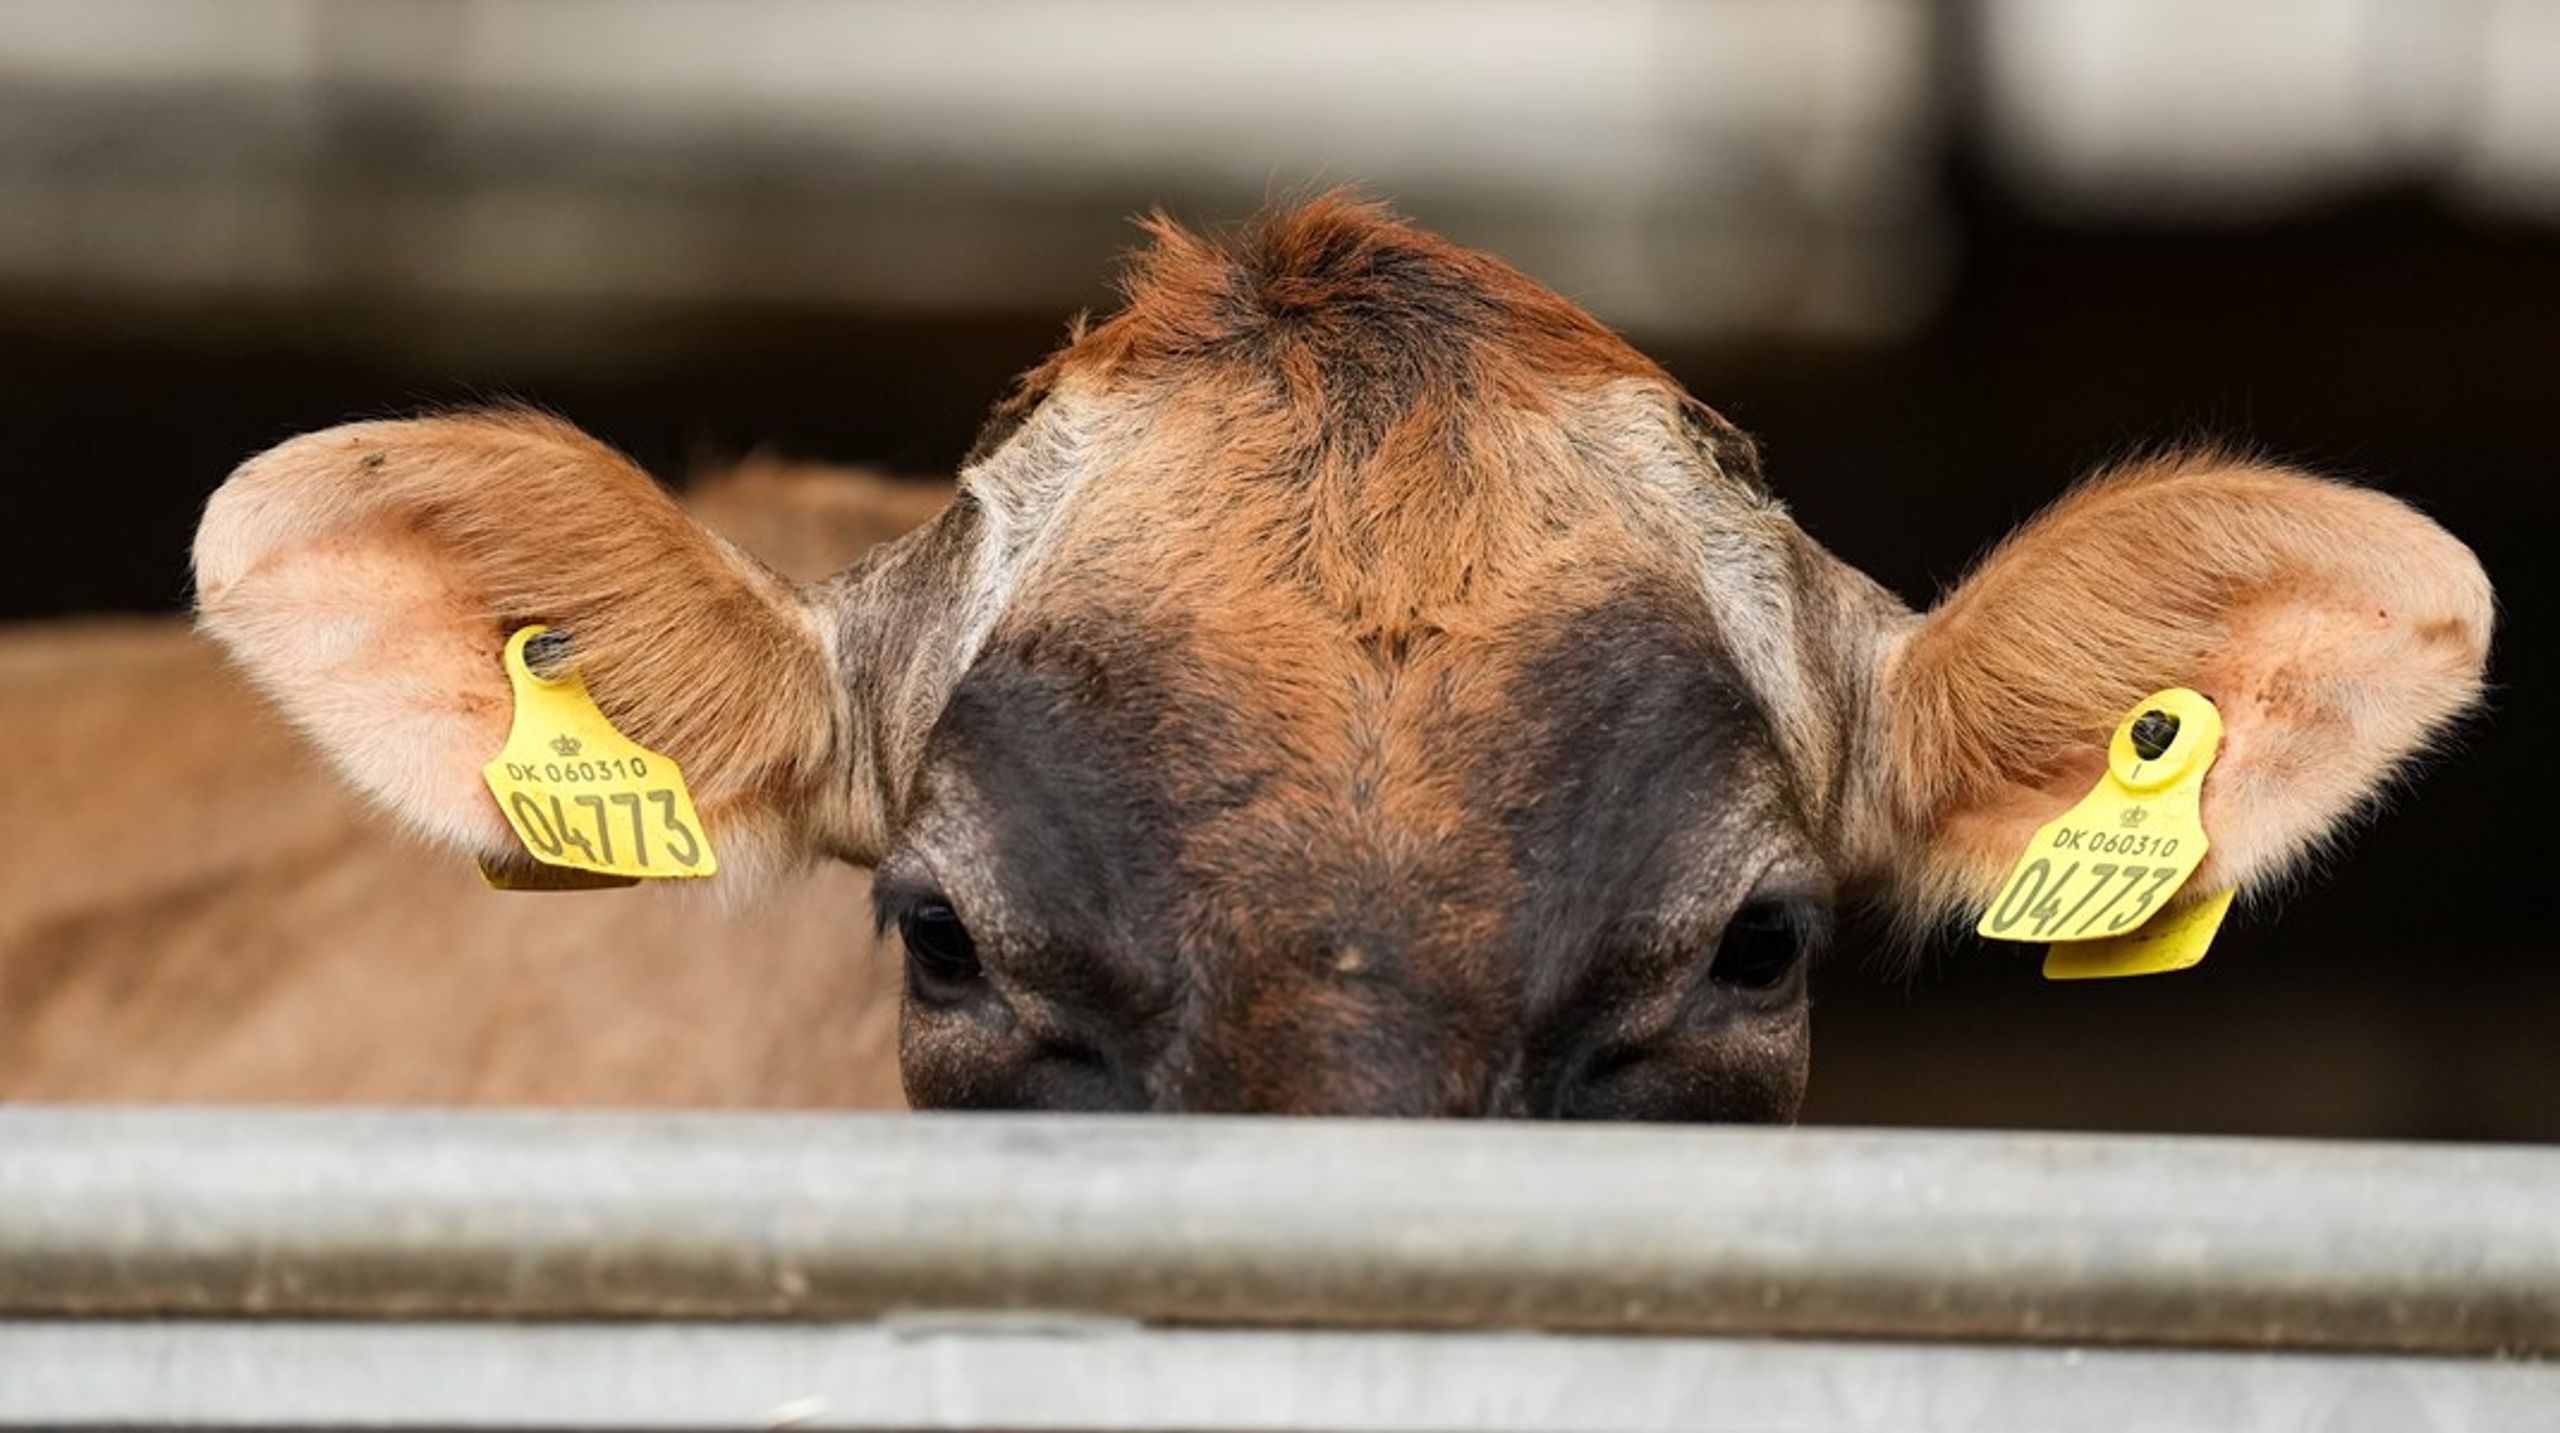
x: 208, y: 918
x: 1352, y: 680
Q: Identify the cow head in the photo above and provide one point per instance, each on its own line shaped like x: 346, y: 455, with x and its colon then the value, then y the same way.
x: 1350, y: 680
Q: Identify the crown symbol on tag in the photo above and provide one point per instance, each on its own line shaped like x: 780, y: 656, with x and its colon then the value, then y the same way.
x: 566, y: 745
x: 2130, y: 816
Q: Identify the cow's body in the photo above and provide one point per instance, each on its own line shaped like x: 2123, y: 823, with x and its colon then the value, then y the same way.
x: 1351, y: 680
x: 204, y: 916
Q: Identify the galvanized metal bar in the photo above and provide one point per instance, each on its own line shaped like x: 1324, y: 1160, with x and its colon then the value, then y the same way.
x: 707, y: 1376
x: 2271, y: 1244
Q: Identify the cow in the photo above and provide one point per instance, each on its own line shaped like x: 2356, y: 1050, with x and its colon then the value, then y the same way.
x: 208, y: 918
x: 1351, y: 680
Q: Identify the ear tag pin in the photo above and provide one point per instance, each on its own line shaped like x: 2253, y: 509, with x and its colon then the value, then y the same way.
x: 2096, y: 881
x: 591, y: 807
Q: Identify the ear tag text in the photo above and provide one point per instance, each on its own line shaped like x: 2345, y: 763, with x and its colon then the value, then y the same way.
x: 581, y: 796
x: 2094, y: 879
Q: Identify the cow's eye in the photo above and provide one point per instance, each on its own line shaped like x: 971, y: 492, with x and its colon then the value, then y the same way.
x: 940, y: 954
x: 1767, y: 940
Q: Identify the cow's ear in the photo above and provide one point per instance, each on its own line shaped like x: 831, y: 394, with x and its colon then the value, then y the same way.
x: 367, y: 578
x: 2338, y: 630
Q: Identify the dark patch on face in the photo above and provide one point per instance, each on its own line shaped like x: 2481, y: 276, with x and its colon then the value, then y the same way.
x: 1076, y: 817
x: 1294, y: 976
x: 1641, y: 779
x: 1635, y: 723
x: 1065, y: 741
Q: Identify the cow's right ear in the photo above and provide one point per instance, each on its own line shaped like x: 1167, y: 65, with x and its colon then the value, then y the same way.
x: 367, y: 578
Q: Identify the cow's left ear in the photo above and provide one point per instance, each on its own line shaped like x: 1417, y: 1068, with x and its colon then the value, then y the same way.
x: 2337, y: 629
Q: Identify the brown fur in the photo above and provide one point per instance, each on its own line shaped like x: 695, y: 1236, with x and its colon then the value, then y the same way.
x: 209, y: 918
x: 1338, y: 295
x: 1406, y: 405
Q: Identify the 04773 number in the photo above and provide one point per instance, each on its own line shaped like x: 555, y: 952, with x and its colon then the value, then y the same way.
x: 2042, y: 906
x: 589, y: 823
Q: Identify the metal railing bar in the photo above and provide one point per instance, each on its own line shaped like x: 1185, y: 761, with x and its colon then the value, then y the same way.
x: 1815, y: 1233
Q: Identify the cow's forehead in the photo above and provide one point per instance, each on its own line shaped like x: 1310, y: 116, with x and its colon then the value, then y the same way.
x: 1341, y: 439
x: 1291, y: 712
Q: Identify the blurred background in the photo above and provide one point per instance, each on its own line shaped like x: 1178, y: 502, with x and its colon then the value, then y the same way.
x: 1940, y: 256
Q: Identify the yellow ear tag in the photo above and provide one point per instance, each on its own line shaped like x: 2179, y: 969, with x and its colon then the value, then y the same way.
x: 2094, y: 877
x: 581, y: 795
